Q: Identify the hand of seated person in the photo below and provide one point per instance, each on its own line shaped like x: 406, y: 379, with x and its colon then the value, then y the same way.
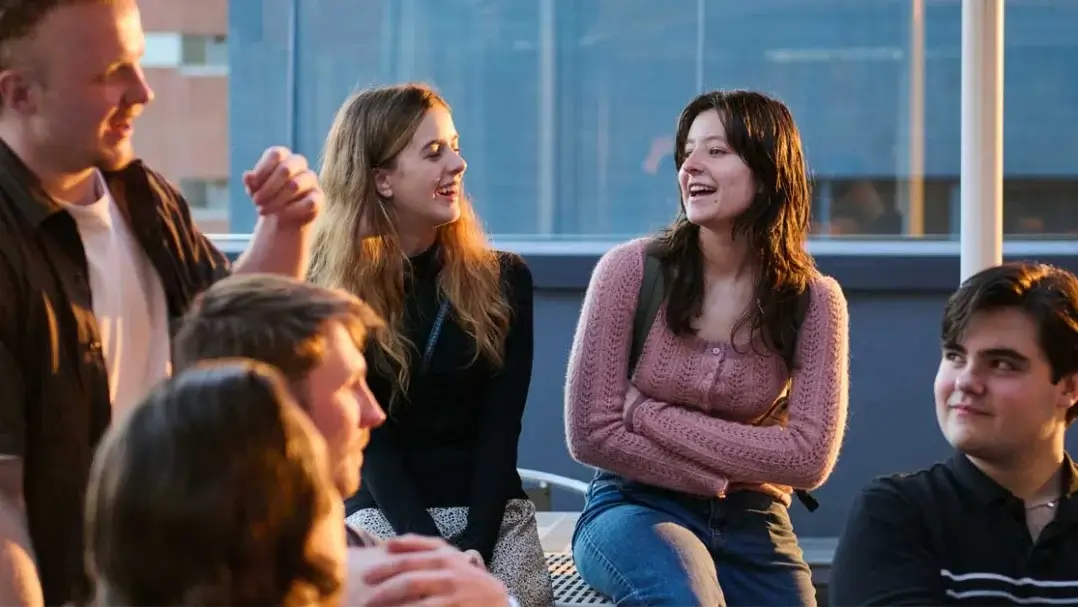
x: 412, y: 569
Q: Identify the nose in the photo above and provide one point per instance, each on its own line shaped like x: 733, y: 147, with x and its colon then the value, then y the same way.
x: 459, y: 165
x: 140, y: 92
x: 968, y: 381
x: 691, y: 165
x: 371, y: 414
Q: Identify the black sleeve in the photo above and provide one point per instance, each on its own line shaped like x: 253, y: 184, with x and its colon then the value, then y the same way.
x: 885, y: 555
x: 391, y: 485
x: 502, y: 414
x: 12, y: 388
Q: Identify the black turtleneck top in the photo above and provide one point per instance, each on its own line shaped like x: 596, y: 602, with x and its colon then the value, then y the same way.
x: 452, y: 440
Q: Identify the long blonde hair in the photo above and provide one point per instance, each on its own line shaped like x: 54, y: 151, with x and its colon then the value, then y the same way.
x: 369, y: 131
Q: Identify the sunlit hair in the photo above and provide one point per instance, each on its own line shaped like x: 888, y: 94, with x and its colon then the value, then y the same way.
x: 273, y: 319
x: 762, y: 132
x: 369, y: 132
x: 207, y: 493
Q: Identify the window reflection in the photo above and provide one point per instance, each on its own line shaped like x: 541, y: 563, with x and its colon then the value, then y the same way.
x: 567, y: 109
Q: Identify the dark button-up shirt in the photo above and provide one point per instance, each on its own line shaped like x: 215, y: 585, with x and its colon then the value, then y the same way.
x: 54, y: 395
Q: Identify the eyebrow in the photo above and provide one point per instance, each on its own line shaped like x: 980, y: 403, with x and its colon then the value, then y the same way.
x: 1009, y: 353
x: 706, y: 139
x: 442, y: 141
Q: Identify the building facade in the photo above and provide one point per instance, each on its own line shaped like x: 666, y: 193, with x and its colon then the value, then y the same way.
x: 184, y: 133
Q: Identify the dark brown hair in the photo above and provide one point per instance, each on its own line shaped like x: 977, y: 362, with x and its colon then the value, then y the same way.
x: 762, y: 132
x: 207, y: 493
x: 1047, y: 294
x: 273, y: 319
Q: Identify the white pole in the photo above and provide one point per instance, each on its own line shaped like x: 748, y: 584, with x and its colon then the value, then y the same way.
x: 981, y: 231
x: 915, y: 199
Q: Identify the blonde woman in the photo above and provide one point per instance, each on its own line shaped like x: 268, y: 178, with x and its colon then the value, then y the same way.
x: 454, y: 365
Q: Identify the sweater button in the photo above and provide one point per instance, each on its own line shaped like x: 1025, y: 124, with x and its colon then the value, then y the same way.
x: 715, y: 351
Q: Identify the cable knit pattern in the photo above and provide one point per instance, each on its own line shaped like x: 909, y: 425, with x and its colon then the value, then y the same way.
x: 698, y: 429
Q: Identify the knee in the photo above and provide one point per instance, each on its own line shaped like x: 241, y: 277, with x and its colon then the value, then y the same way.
x: 633, y: 572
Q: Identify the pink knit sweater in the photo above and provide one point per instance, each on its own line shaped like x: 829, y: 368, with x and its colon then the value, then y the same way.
x: 697, y: 429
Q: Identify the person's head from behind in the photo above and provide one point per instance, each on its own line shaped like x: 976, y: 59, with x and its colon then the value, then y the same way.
x: 71, y: 85
x: 742, y: 176
x: 313, y: 335
x: 1008, y: 376
x: 392, y: 172
x: 215, y: 491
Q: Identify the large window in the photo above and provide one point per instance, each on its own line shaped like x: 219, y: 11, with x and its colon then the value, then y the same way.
x: 567, y: 107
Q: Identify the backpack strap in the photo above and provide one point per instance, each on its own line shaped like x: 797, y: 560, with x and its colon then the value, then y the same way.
x: 647, y: 307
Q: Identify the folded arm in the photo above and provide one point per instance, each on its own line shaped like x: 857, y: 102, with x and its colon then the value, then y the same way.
x: 800, y: 453
x: 598, y: 382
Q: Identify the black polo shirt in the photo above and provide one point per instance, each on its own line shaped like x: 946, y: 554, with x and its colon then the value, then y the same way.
x: 54, y: 396
x: 950, y: 535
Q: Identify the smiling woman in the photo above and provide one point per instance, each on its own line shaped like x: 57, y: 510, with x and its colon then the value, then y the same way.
x: 739, y: 393
x: 454, y: 367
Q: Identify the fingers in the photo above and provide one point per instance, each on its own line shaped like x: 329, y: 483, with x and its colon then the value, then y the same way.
x: 300, y: 211
x: 413, y: 543
x: 399, y: 564
x: 475, y: 558
x: 288, y: 182
x: 265, y: 166
x: 412, y: 587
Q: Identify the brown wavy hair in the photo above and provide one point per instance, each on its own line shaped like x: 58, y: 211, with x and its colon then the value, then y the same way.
x: 762, y: 132
x: 369, y: 132
x: 207, y: 494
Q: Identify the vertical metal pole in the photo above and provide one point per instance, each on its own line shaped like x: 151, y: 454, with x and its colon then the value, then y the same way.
x: 915, y: 199
x: 547, y: 119
x: 982, y: 135
x: 292, y: 91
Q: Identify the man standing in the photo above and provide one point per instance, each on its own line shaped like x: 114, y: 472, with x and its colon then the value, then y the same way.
x: 998, y: 522
x: 98, y: 254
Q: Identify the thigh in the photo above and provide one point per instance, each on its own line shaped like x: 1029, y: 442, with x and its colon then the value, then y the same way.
x: 640, y: 554
x: 518, y: 558
x: 759, y: 561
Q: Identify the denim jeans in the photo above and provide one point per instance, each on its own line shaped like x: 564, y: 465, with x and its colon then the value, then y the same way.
x: 643, y: 545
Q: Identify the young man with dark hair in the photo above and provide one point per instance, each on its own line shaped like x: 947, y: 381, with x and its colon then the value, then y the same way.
x: 998, y: 522
x: 97, y: 254
x: 315, y: 336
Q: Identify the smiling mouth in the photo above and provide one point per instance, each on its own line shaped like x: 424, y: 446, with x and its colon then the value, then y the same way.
x: 697, y: 191
x: 448, y: 191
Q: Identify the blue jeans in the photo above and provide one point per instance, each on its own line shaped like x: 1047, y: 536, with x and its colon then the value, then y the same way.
x: 642, y: 545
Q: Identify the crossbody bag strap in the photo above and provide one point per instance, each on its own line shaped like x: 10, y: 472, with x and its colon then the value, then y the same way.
x: 432, y: 339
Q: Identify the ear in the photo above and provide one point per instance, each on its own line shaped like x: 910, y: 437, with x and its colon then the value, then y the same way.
x: 1069, y: 396
x: 382, y: 183
x: 17, y: 91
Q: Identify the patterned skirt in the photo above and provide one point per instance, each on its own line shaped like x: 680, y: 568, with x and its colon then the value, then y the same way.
x: 518, y: 559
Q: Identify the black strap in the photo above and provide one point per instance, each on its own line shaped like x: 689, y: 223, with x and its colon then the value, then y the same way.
x: 432, y: 339
x: 648, y: 302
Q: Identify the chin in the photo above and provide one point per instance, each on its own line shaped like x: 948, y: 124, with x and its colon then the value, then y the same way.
x: 446, y: 216
x: 115, y: 159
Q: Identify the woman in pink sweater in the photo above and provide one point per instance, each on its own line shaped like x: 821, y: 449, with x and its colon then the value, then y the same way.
x: 696, y: 463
